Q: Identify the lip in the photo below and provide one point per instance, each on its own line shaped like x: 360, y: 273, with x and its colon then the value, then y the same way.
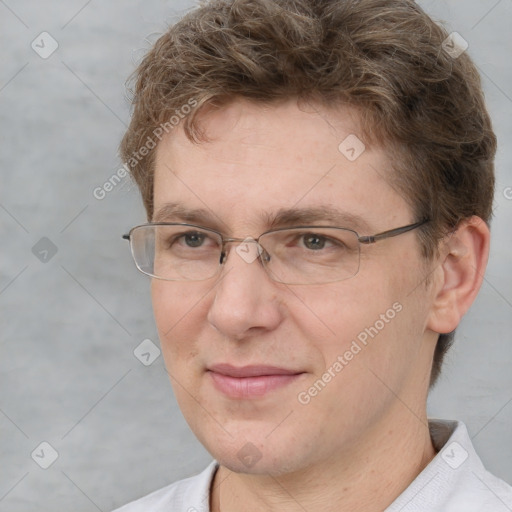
x: 254, y: 381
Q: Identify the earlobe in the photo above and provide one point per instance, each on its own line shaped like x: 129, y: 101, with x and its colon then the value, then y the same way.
x: 459, y: 275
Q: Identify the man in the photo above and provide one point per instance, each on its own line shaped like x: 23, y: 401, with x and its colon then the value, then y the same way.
x: 318, y: 178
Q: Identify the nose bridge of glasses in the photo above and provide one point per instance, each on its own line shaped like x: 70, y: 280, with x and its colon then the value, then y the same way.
x: 245, y: 253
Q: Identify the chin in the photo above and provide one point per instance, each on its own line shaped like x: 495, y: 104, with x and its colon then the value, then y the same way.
x: 266, y: 465
x: 256, y: 454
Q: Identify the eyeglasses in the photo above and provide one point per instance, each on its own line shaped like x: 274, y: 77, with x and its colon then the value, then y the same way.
x: 298, y: 255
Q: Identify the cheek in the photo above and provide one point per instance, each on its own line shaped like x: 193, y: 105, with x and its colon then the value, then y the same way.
x: 177, y: 313
x: 365, y: 322
x: 335, y: 314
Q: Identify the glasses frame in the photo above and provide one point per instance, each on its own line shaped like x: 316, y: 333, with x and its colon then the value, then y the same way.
x: 362, y: 239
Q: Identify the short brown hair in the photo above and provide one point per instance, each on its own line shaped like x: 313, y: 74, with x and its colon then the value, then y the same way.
x: 385, y: 58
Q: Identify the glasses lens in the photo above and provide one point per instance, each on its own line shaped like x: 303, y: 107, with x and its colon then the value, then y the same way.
x: 176, y: 252
x: 311, y: 255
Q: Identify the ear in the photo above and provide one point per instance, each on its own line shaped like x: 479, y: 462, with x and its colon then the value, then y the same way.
x: 460, y: 273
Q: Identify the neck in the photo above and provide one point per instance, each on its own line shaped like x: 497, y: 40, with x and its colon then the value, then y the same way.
x: 368, y: 477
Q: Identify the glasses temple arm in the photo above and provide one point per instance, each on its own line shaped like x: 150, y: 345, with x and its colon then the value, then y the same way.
x: 391, y: 232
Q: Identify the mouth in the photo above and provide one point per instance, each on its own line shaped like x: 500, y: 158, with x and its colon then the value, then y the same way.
x: 250, y: 381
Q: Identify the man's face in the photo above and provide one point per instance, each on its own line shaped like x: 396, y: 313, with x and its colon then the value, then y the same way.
x: 261, y: 160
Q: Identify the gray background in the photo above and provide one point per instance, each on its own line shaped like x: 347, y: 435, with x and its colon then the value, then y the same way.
x: 70, y: 324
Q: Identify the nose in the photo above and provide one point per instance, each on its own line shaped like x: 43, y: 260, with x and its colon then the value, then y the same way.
x: 246, y: 301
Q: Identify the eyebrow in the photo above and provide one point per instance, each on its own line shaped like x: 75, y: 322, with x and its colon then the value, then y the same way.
x: 283, y: 217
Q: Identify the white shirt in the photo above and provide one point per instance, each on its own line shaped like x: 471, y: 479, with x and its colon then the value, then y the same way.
x: 454, y: 481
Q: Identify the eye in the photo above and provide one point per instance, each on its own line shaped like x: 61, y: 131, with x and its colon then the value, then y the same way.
x: 192, y: 239
x: 314, y: 241
x: 185, y: 240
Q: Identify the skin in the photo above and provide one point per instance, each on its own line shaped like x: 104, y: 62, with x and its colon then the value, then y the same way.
x: 340, y: 451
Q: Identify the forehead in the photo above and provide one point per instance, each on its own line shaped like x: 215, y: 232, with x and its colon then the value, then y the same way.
x: 260, y: 161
